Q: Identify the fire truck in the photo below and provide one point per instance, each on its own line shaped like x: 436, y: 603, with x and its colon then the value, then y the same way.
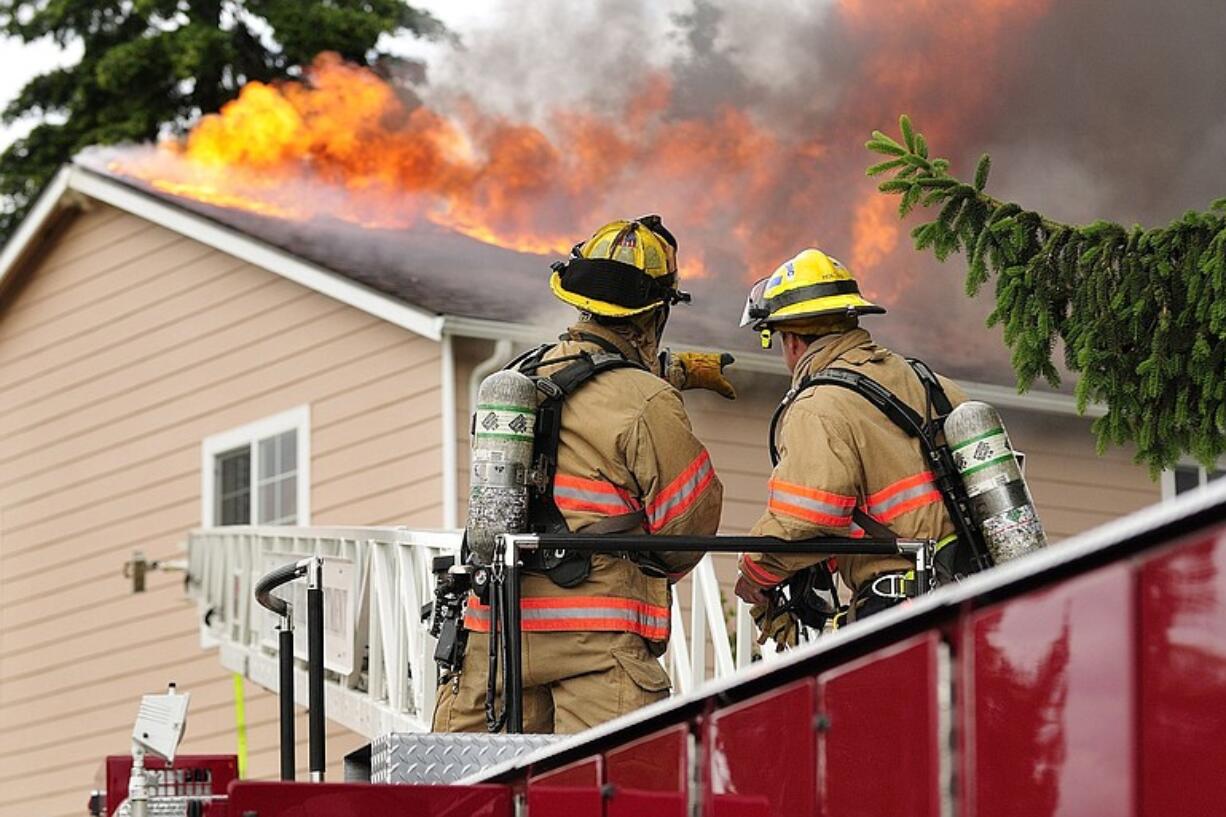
x: 1088, y: 678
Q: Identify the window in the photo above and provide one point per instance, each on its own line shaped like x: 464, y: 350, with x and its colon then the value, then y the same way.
x: 258, y: 474
x: 1188, y: 477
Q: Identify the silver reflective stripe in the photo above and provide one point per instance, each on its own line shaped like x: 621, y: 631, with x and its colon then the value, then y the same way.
x: 618, y: 613
x: 809, y: 503
x: 683, y: 493
x: 596, y: 497
x: 883, y: 508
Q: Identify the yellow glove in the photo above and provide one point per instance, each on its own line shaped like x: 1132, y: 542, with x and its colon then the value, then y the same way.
x: 698, y: 370
x: 781, y: 627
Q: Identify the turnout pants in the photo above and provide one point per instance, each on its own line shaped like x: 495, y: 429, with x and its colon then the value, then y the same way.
x: 572, y: 681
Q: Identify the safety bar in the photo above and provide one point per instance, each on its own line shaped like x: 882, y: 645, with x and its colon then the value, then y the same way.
x: 510, y: 545
x: 642, y: 543
x: 312, y: 569
x: 274, y: 579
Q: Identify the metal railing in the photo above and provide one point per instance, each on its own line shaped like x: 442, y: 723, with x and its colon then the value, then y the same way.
x: 381, y: 673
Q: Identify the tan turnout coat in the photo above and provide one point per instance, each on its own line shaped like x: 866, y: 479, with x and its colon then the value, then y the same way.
x: 589, y: 650
x: 838, y: 451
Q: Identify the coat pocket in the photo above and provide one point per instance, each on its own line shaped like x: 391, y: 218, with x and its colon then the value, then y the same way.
x: 644, y: 670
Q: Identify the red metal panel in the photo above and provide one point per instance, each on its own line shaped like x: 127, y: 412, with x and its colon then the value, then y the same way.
x: 366, y: 800
x: 1047, y: 687
x: 625, y: 803
x: 655, y: 763
x: 582, y: 774
x: 574, y: 790
x: 557, y: 801
x: 878, y: 746
x: 762, y: 755
x: 648, y: 776
x: 1182, y: 643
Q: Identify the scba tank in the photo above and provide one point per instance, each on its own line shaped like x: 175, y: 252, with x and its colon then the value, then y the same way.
x: 502, y: 449
x: 1000, y: 500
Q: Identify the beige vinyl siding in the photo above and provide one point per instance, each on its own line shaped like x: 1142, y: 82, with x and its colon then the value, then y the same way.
x: 121, y: 349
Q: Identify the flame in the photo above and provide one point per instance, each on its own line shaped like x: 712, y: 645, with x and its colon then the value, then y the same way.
x: 740, y: 194
x: 874, y: 235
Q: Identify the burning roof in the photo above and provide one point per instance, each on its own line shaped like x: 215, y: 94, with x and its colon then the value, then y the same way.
x: 747, y: 140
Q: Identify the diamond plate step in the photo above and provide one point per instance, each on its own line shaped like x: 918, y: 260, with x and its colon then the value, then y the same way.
x: 409, y: 757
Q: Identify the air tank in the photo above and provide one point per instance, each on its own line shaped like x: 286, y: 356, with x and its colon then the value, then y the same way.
x: 1000, y: 501
x: 502, y: 449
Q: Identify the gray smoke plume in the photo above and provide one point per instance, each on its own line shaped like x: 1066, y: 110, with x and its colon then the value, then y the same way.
x: 743, y: 124
x: 1096, y: 109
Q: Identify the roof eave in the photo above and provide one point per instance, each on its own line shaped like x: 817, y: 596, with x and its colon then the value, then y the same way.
x: 760, y: 363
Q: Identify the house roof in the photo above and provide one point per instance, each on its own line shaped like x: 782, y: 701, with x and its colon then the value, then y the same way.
x: 432, y: 281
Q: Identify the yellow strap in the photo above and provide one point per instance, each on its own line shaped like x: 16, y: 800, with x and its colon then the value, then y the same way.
x: 240, y: 724
x: 943, y: 542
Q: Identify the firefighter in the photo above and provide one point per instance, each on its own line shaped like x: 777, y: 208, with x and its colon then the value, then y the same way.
x: 627, y: 462
x: 837, y: 455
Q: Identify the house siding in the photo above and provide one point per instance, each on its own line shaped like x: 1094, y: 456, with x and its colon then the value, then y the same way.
x: 122, y: 347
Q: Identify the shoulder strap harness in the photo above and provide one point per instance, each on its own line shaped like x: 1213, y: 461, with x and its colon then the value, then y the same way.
x: 544, y: 516
x: 927, y: 429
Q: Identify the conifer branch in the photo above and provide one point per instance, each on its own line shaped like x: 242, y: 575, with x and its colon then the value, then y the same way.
x: 1141, y: 312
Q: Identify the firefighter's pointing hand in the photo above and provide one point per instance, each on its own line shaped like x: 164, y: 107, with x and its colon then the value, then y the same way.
x: 698, y: 370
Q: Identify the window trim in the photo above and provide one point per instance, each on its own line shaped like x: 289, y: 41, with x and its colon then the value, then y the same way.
x: 1167, y: 479
x: 296, y: 419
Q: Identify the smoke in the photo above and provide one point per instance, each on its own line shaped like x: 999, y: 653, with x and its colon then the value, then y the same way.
x: 1095, y: 109
x: 743, y: 125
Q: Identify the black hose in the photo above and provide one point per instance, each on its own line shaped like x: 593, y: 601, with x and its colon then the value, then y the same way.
x: 271, y: 581
x: 494, y: 719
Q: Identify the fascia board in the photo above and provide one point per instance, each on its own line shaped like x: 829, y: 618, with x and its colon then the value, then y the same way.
x: 33, y: 223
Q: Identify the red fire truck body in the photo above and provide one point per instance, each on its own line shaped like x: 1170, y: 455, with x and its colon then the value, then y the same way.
x: 1088, y: 679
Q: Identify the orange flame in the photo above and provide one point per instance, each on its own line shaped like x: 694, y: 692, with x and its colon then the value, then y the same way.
x: 740, y: 195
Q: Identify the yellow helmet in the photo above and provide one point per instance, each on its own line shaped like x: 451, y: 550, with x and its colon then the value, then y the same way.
x: 811, y: 285
x: 626, y: 268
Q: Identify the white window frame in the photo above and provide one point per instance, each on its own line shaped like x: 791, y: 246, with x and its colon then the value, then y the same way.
x: 1168, y: 475
x: 296, y: 419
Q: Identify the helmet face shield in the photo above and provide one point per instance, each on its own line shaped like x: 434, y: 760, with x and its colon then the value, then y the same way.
x: 755, y: 304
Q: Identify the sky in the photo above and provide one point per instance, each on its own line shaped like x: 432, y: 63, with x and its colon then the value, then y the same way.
x: 20, y: 62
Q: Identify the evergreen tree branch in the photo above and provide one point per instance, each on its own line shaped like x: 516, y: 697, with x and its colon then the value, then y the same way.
x: 1141, y: 313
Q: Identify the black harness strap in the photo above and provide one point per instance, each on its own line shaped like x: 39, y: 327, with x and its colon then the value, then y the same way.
x: 544, y: 516
x: 974, y: 555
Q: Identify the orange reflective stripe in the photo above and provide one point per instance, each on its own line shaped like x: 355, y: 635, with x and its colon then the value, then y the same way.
x: 906, y: 482
x: 810, y: 504
x: 826, y: 497
x: 758, y: 574
x: 573, y: 493
x: 905, y: 495
x: 570, y: 613
x: 681, y: 494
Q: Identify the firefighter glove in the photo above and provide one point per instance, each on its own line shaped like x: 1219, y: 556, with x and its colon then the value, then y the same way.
x: 698, y: 370
x: 780, y: 626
